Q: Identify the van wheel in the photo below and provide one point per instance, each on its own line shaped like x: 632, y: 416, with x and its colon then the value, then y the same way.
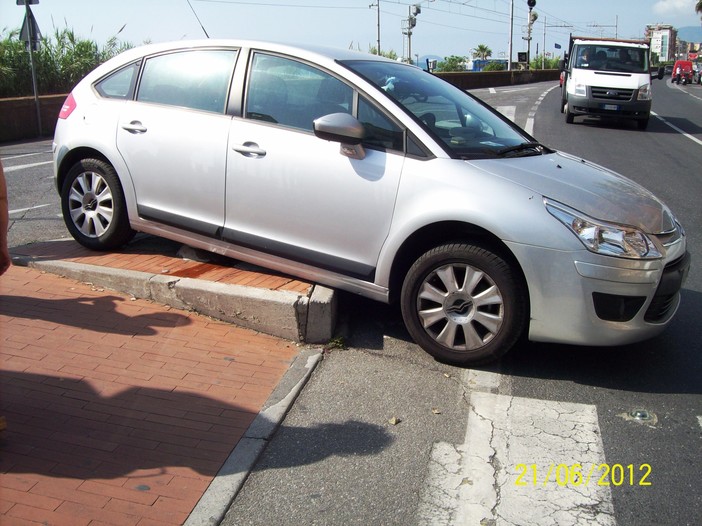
x: 642, y: 124
x: 569, y: 117
x: 463, y: 304
x: 93, y: 206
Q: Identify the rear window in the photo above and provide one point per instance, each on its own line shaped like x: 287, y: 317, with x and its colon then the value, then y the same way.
x: 118, y: 85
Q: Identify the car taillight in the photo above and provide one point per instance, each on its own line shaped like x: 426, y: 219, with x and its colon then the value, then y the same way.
x: 68, y: 106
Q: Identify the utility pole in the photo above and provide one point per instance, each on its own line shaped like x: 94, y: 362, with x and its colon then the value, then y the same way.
x: 408, y: 25
x: 511, y: 31
x: 543, y: 58
x: 531, y: 4
x: 378, y: 6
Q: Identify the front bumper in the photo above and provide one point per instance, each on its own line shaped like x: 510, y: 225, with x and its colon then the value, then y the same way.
x: 583, y: 298
x: 601, y: 106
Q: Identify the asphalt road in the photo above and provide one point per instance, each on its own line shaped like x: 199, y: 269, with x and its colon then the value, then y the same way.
x: 360, y: 444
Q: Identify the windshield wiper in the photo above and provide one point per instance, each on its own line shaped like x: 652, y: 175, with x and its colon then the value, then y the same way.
x: 538, y: 147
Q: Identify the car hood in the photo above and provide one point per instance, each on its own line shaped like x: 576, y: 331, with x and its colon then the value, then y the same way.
x: 587, y: 187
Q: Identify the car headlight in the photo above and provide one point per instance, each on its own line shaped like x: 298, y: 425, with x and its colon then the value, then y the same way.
x: 645, y: 92
x: 609, y: 239
x: 581, y: 90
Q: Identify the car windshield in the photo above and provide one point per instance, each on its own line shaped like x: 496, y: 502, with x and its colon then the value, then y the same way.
x: 469, y: 129
x: 611, y: 58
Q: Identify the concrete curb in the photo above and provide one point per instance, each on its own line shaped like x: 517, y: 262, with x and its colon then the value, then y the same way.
x: 214, y: 503
x: 284, y: 314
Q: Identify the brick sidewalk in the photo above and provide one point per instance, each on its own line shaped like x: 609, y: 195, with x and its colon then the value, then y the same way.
x: 119, y: 411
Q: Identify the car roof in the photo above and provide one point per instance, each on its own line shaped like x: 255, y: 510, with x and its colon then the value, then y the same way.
x: 317, y: 52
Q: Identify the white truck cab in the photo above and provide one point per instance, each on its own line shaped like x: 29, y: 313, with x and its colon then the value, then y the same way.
x: 607, y: 78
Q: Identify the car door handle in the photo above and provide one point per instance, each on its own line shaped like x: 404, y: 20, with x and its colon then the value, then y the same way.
x: 249, y: 149
x: 134, y: 127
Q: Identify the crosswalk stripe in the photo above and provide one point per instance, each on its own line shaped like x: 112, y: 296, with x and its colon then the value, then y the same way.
x: 508, y: 111
x: 9, y: 169
x: 523, y: 461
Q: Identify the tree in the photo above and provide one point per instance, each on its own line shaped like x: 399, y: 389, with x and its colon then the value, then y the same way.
x: 452, y: 63
x: 483, y: 52
x: 698, y: 7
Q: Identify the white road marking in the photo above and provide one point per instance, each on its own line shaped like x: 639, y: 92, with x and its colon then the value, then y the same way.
x: 695, y: 139
x: 18, y: 156
x: 529, y: 128
x: 23, y: 166
x: 508, y: 111
x: 699, y: 420
x: 22, y: 210
x: 523, y: 461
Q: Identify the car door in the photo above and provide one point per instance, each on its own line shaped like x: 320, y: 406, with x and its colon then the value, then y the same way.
x: 292, y: 194
x: 173, y: 138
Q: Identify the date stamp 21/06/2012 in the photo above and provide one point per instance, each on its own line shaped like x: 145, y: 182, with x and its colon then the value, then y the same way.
x: 575, y: 475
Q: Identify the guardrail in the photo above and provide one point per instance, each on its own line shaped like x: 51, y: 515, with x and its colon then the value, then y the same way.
x: 18, y: 116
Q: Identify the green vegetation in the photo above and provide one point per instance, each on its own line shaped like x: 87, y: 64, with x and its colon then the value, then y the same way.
x: 538, y: 62
x: 452, y: 63
x: 495, y: 66
x: 61, y: 61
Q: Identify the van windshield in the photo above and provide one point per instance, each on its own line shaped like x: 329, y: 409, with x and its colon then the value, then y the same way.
x: 604, y: 57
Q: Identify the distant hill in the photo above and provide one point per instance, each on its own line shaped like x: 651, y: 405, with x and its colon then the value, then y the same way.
x: 690, y: 34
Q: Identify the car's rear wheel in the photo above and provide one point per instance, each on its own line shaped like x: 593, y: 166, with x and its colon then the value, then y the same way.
x: 93, y: 206
x: 464, y: 304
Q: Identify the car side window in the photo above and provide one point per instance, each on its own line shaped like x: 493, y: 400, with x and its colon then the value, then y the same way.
x: 119, y: 84
x: 290, y: 93
x: 192, y: 79
x: 381, y: 132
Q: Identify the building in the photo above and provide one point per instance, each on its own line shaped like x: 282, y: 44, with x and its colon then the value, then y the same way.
x: 663, y: 41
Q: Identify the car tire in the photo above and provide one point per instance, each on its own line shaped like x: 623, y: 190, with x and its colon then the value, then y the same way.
x: 93, y: 206
x: 464, y: 304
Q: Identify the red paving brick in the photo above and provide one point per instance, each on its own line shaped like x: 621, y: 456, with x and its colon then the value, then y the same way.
x: 121, y: 411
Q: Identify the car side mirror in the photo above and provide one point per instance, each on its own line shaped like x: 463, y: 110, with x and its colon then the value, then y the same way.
x: 561, y: 64
x: 342, y: 128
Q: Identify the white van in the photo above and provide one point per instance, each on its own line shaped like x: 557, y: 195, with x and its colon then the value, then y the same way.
x: 607, y: 78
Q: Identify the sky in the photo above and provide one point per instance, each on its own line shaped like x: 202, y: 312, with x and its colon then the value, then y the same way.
x: 443, y: 28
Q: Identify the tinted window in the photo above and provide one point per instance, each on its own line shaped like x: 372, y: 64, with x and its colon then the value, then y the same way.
x: 119, y: 84
x: 192, y: 79
x: 290, y: 93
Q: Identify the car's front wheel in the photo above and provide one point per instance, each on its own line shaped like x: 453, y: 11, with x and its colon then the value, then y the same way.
x: 464, y: 304
x: 93, y: 206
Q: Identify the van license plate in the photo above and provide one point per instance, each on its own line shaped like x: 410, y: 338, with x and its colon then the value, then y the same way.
x: 610, y: 107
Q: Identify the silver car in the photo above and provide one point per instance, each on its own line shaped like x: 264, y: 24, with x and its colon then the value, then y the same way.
x: 370, y: 176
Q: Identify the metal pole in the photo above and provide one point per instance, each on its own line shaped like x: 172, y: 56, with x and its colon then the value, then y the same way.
x: 543, y: 53
x: 511, y: 23
x: 528, y: 64
x: 378, y: 27
x: 30, y: 28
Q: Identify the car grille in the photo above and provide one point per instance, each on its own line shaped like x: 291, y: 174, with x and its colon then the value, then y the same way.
x: 612, y: 93
x: 666, y: 298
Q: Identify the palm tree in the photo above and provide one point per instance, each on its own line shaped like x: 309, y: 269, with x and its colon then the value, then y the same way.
x: 698, y: 7
x: 483, y: 52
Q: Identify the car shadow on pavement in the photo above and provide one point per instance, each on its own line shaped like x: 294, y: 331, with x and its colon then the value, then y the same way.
x: 668, y: 363
x: 58, y: 426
